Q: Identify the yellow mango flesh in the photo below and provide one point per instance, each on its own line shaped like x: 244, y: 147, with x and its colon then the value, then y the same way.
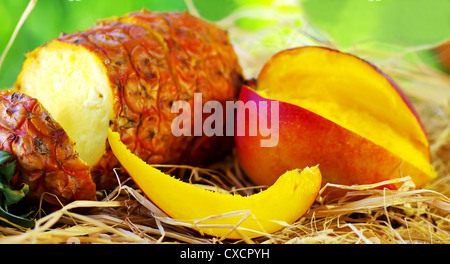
x: 265, y: 212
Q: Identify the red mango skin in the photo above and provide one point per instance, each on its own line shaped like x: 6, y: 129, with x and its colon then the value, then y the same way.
x: 307, y: 139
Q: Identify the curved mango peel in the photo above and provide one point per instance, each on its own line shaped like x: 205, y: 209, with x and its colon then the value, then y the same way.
x: 219, y: 214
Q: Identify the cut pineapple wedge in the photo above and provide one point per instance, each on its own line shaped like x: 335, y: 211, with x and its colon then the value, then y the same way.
x: 72, y: 84
x: 219, y: 214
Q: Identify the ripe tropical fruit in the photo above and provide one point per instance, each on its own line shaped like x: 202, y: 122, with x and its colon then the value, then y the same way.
x: 340, y: 112
x: 47, y: 161
x: 125, y: 73
x: 219, y: 214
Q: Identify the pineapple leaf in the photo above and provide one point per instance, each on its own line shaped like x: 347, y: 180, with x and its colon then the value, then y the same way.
x: 13, y: 196
x: 8, y: 196
x: 6, y: 168
x: 7, y: 171
x: 4, y: 156
x: 14, y: 219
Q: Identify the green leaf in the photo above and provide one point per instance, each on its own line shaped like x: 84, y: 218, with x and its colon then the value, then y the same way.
x: 8, y: 196
x: 402, y: 22
x: 7, y: 171
x: 4, y: 156
x: 14, y: 196
x: 19, y: 220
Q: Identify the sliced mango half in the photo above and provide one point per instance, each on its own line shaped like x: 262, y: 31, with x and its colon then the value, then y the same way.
x: 220, y: 214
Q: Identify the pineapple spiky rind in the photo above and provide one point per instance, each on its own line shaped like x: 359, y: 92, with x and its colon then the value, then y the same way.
x: 46, y: 159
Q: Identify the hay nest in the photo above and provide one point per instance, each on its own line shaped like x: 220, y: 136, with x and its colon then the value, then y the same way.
x: 364, y: 215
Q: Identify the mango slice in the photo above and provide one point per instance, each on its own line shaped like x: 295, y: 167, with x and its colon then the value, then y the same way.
x: 219, y: 214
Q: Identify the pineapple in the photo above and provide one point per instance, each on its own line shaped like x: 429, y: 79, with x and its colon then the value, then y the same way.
x: 125, y: 73
x: 46, y: 158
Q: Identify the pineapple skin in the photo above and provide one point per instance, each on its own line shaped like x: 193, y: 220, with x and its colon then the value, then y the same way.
x: 46, y: 160
x: 154, y: 59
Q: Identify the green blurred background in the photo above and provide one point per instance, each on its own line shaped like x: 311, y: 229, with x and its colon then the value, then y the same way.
x: 407, y: 23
